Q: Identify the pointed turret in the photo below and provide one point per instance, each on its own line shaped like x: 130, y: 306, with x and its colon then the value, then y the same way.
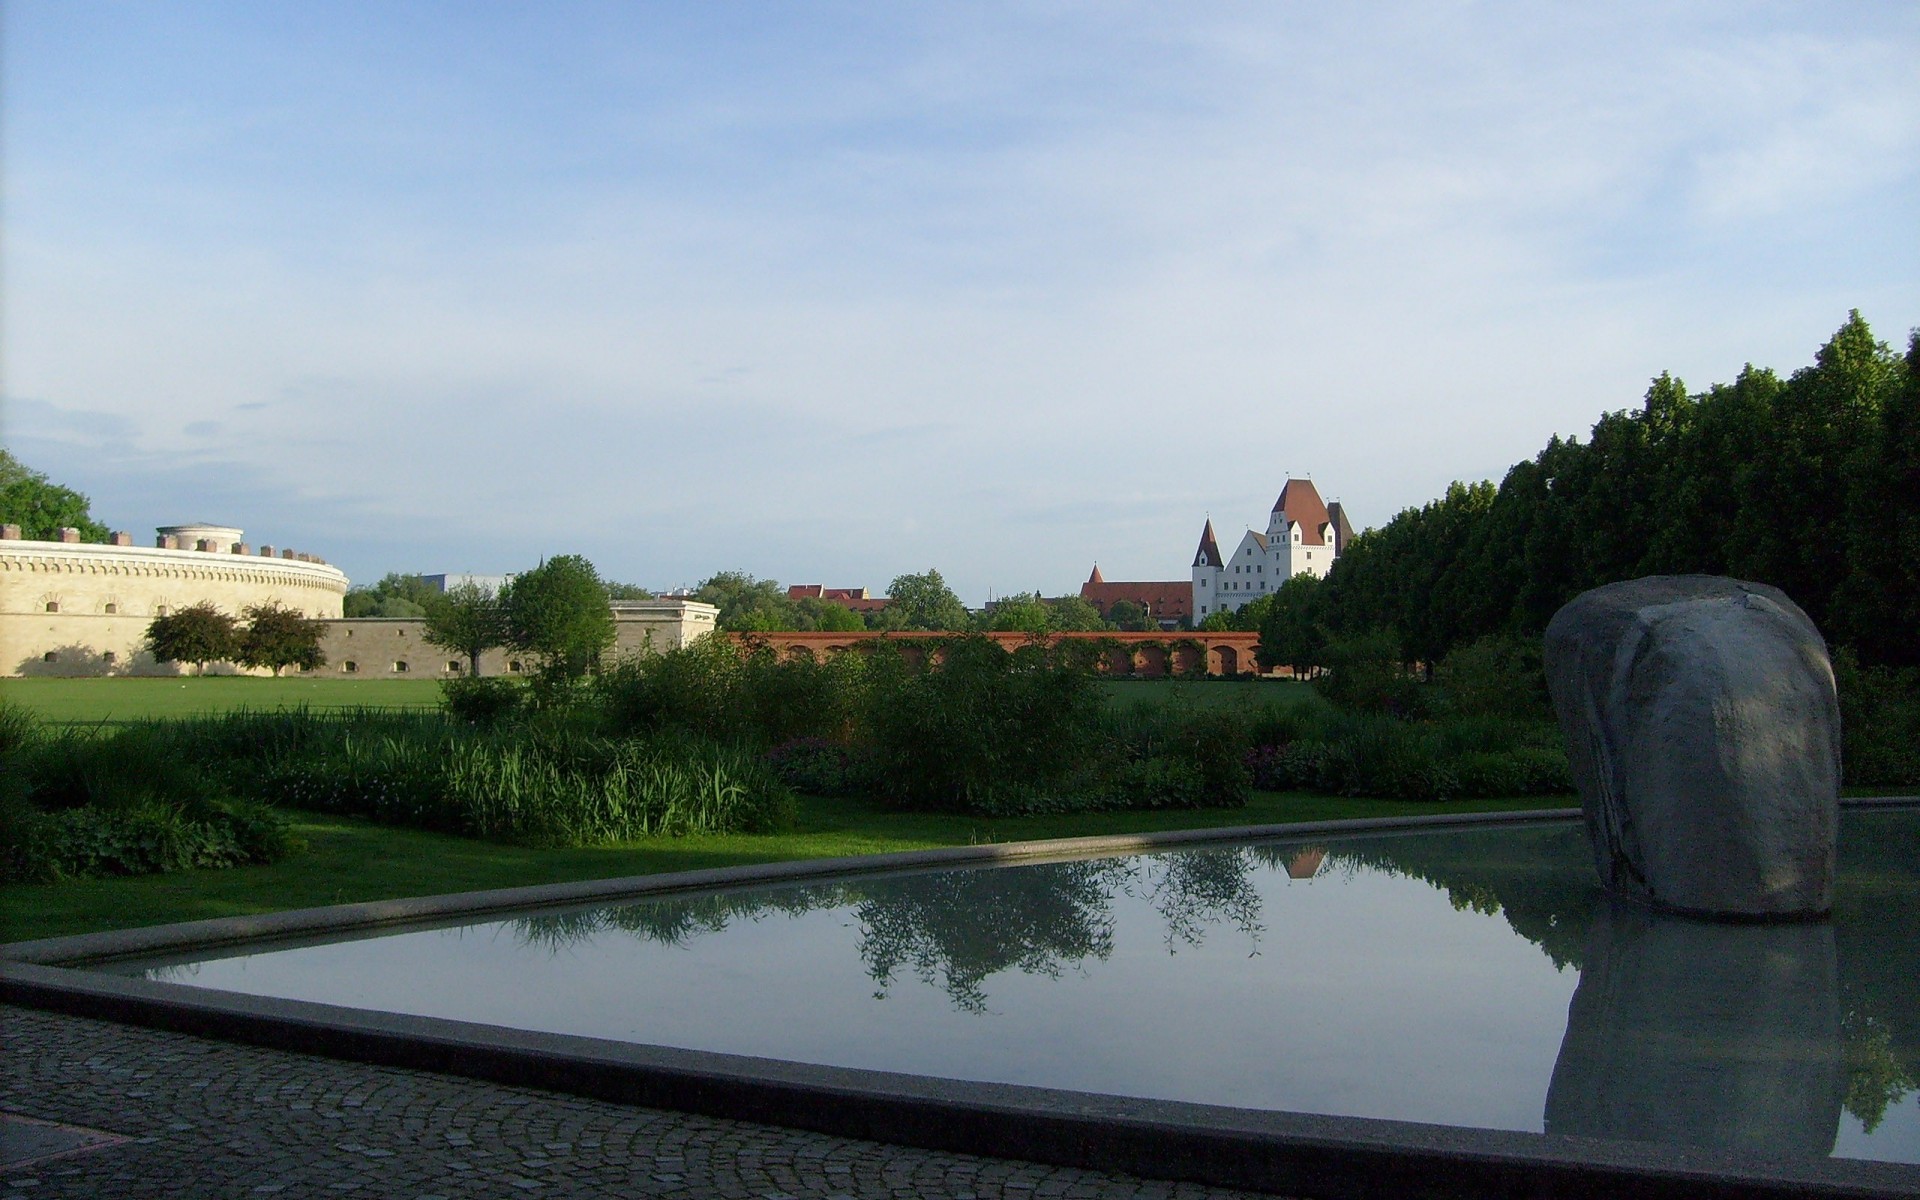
x: 1096, y: 577
x: 1209, y: 553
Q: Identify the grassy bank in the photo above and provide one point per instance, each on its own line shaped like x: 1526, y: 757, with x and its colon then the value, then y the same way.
x: 122, y: 701
x: 349, y: 860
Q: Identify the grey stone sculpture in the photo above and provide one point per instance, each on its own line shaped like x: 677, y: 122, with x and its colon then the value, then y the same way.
x: 1704, y: 734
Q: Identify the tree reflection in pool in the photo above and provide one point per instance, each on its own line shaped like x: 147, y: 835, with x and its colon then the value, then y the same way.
x: 1369, y: 976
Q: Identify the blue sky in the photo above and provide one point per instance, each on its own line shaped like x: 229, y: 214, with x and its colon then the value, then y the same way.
x: 831, y: 293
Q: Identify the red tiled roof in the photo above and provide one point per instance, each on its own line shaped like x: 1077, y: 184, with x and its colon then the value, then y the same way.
x: 1300, y: 503
x: 1096, y: 577
x: 1170, y: 599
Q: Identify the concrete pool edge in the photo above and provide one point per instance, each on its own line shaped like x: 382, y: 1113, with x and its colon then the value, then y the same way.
x: 1300, y: 1154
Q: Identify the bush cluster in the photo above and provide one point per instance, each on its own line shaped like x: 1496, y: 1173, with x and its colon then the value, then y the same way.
x: 95, y: 802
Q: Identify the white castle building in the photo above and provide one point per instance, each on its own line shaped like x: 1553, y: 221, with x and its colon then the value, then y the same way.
x: 1304, y: 536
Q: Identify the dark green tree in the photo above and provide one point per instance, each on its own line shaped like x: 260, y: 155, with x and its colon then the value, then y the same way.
x: 469, y: 619
x: 277, y: 637
x: 198, y: 634
x: 1291, y: 633
x: 40, y: 508
x: 559, y: 613
x: 1132, y: 617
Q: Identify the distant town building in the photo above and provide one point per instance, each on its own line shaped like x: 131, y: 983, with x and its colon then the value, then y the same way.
x: 446, y: 583
x: 1168, y: 602
x: 855, y: 599
x: 1304, y: 536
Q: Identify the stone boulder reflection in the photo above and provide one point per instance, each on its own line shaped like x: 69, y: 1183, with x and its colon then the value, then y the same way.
x: 1703, y: 1034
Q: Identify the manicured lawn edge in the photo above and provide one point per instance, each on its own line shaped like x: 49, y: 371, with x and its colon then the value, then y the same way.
x: 352, y: 861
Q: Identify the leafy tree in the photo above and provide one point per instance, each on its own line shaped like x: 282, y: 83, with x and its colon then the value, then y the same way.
x: 368, y: 603
x: 469, y: 619
x: 827, y: 616
x: 1133, y: 617
x: 559, y: 613
x: 748, y: 605
x: 925, y: 602
x: 627, y: 591
x: 396, y: 595
x: 40, y: 508
x: 1025, y: 612
x: 278, y: 637
x: 198, y: 634
x: 1075, y: 614
x: 1217, y: 621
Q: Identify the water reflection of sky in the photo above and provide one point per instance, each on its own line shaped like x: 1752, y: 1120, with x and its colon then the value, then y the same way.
x: 1396, y: 982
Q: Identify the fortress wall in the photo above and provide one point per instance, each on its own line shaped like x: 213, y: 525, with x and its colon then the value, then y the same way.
x: 396, y: 647
x: 88, y: 606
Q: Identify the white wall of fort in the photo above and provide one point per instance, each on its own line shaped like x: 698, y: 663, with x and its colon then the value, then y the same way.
x: 81, y: 608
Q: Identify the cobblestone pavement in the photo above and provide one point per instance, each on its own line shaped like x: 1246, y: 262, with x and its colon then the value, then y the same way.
x: 210, y: 1119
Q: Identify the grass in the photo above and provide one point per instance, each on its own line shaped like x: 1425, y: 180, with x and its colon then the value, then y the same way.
x: 123, y: 701
x: 1208, y: 693
x: 350, y: 860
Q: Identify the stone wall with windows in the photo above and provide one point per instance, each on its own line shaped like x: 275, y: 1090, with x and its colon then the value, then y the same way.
x: 81, y: 608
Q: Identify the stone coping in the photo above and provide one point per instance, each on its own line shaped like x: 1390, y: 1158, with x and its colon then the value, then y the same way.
x: 1293, y: 1153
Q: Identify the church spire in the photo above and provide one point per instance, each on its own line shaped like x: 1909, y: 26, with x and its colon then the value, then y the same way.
x: 1096, y: 577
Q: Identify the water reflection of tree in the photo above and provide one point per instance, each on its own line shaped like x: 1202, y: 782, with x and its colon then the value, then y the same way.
x: 1540, y: 879
x: 671, y: 920
x: 956, y: 928
x: 1198, y: 889
x: 1877, y: 928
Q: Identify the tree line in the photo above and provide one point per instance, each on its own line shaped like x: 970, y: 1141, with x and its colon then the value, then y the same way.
x: 1810, y: 483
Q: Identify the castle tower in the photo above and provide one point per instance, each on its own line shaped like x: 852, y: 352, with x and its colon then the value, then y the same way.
x: 1207, y: 567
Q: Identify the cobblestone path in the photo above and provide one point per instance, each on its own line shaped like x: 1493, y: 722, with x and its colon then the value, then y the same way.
x: 210, y: 1119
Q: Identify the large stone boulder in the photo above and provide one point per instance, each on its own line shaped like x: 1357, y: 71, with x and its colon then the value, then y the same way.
x: 1704, y: 734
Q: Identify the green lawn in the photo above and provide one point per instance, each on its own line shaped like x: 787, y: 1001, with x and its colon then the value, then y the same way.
x: 349, y: 860
x: 114, y: 701
x: 1209, y: 693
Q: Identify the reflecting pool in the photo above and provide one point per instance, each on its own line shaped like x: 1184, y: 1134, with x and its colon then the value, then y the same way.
x: 1468, y: 977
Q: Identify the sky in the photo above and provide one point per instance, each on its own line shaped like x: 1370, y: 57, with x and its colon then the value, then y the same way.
x: 831, y: 293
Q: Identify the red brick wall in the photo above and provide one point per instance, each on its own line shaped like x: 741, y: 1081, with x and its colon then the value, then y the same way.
x: 1145, y: 654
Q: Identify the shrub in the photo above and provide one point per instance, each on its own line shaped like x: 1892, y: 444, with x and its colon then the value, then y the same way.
x: 1879, y: 723
x: 819, y: 767
x: 1501, y: 675
x: 481, y: 700
x: 978, y: 730
x: 1367, y: 674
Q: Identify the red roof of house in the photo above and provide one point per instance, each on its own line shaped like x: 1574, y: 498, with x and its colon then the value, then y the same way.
x: 1096, y: 577
x: 1300, y: 503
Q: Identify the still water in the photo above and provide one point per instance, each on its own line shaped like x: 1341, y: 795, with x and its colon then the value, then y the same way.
x: 1468, y: 977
